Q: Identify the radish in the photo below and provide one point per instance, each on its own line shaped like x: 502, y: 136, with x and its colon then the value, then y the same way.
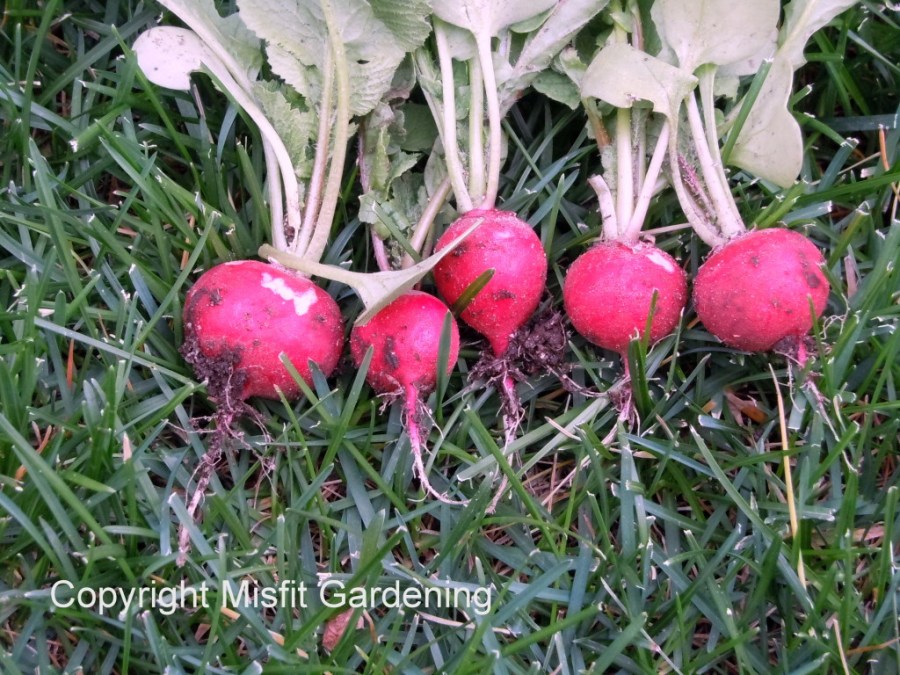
x: 240, y: 316
x: 609, y: 290
x: 405, y: 338
x: 508, y: 246
x: 623, y: 284
x: 760, y: 287
x: 755, y: 292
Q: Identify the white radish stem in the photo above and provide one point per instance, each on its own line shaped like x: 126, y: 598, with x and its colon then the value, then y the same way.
x: 720, y: 197
x: 273, y: 181
x: 609, y: 222
x: 707, y: 82
x: 483, y: 42
x: 476, y: 132
x: 282, y: 157
x: 633, y: 229
x: 423, y: 227
x: 341, y: 137
x: 624, y: 168
x: 448, y: 132
x: 320, y: 162
x: 704, y: 229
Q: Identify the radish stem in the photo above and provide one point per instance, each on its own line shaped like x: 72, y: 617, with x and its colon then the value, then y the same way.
x: 707, y: 95
x: 448, y: 135
x: 719, y: 196
x: 633, y: 229
x: 609, y: 222
x: 320, y: 162
x: 476, y: 132
x: 624, y: 165
x: 291, y: 189
x: 701, y: 225
x: 423, y: 227
x: 273, y: 180
x: 483, y: 42
x: 341, y: 136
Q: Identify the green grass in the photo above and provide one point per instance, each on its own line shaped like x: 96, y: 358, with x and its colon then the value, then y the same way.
x: 661, y: 548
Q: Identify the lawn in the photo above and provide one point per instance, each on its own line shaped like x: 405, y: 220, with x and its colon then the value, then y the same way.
x: 746, y: 519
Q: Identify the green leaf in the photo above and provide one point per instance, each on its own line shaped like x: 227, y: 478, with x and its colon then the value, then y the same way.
x: 295, y: 126
x: 558, y: 87
x: 622, y: 75
x: 406, y: 19
x: 560, y: 27
x: 718, y: 32
x: 296, y: 39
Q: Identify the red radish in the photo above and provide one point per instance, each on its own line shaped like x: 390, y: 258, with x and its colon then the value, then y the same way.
x: 608, y: 292
x: 406, y: 338
x: 755, y: 291
x: 510, y: 247
x: 240, y: 316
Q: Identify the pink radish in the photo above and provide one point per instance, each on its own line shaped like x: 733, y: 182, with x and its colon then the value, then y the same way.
x: 508, y: 246
x: 755, y: 292
x: 406, y: 337
x: 240, y: 316
x: 608, y: 292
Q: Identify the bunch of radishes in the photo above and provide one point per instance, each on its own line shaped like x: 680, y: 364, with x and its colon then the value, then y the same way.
x: 244, y: 320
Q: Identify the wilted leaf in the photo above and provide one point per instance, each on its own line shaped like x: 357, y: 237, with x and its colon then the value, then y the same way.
x: 622, y: 75
x: 718, y: 32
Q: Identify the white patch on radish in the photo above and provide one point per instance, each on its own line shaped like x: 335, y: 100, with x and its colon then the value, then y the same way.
x: 302, y: 301
x: 658, y: 258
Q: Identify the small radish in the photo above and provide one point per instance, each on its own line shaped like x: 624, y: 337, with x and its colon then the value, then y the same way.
x: 754, y: 293
x: 240, y: 316
x: 406, y: 338
x: 508, y: 246
x: 609, y: 289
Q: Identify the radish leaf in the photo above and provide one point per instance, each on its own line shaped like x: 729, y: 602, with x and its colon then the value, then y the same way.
x: 169, y: 55
x: 717, y: 32
x: 770, y: 144
x: 297, y: 42
x: 802, y: 18
x: 227, y: 37
x: 566, y: 19
x: 622, y: 75
x: 488, y: 16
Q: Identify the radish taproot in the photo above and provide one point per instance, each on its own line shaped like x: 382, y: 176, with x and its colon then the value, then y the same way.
x: 240, y: 316
x: 405, y: 338
x: 762, y: 290
x: 609, y: 290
